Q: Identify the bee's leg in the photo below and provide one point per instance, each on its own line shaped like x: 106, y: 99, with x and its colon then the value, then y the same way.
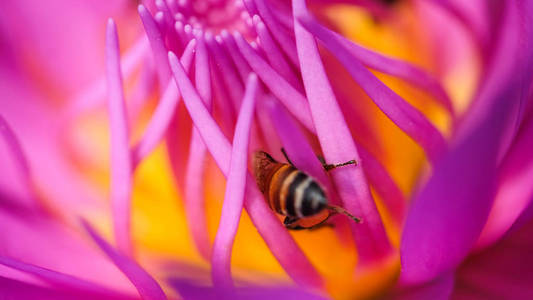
x: 291, y: 223
x: 286, y: 156
x: 328, y: 167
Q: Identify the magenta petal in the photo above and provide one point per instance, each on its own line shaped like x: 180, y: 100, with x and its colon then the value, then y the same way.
x: 14, y: 289
x: 394, y: 67
x: 438, y: 289
x: 515, y: 190
x: 146, y: 285
x: 229, y: 76
x: 449, y: 213
x: 405, y: 116
x: 121, y: 168
x: 190, y: 291
x: 384, y: 185
x: 94, y: 95
x: 337, y: 145
x: 235, y: 188
x: 270, y: 228
x: 21, y: 165
x: 273, y: 54
x: 157, y: 43
x: 194, y: 172
x: 229, y: 43
x: 281, y: 35
x: 158, y: 125
x: 288, y: 95
x: 58, y: 279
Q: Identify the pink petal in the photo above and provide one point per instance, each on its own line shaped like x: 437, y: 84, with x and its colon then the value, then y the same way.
x: 121, y: 168
x: 192, y: 291
x: 337, y: 145
x: 282, y: 36
x: 157, y: 43
x: 147, y: 286
x: 392, y: 66
x: 274, y: 55
x: 439, y: 289
x: 230, y: 78
x: 17, y: 158
x: 59, y: 279
x: 14, y: 289
x: 515, y: 190
x: 94, y: 94
x: 288, y: 95
x: 275, y: 235
x: 229, y: 43
x: 386, y: 188
x: 448, y: 215
x: 194, y: 172
x: 35, y: 239
x: 406, y: 117
x: 158, y: 125
x: 235, y: 188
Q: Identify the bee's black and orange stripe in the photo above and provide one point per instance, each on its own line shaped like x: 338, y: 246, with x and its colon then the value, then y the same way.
x: 288, y: 191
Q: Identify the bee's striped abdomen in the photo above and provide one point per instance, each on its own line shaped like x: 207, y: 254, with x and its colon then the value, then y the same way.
x: 289, y: 191
x: 275, y: 187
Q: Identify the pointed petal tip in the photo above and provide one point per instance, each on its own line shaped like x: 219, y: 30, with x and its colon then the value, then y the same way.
x: 110, y: 22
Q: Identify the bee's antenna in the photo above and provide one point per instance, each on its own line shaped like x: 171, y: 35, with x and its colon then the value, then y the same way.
x: 339, y: 210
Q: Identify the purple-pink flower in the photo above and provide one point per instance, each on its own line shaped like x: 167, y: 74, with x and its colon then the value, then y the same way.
x: 126, y: 135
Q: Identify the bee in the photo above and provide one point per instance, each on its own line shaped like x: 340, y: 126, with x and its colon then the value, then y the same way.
x: 293, y: 193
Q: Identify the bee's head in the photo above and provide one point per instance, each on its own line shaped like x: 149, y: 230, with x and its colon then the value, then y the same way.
x: 314, y: 200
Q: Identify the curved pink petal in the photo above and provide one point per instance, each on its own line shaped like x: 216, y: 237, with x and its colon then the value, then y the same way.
x: 235, y: 188
x: 228, y: 42
x: 14, y: 289
x: 147, y: 286
x: 229, y: 76
x: 194, y: 172
x: 95, y: 93
x: 21, y: 175
x: 337, y: 145
x: 394, y: 67
x: 59, y: 279
x: 515, y: 190
x: 438, y: 289
x: 191, y: 291
x: 282, y: 36
x: 384, y: 185
x: 121, y: 169
x: 57, y: 247
x: 158, y: 125
x: 447, y: 216
x: 157, y: 43
x: 275, y: 235
x: 279, y: 87
x: 273, y: 54
x: 449, y: 213
x: 405, y: 116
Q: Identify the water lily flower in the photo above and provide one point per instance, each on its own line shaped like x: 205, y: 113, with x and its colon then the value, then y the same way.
x: 127, y: 129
